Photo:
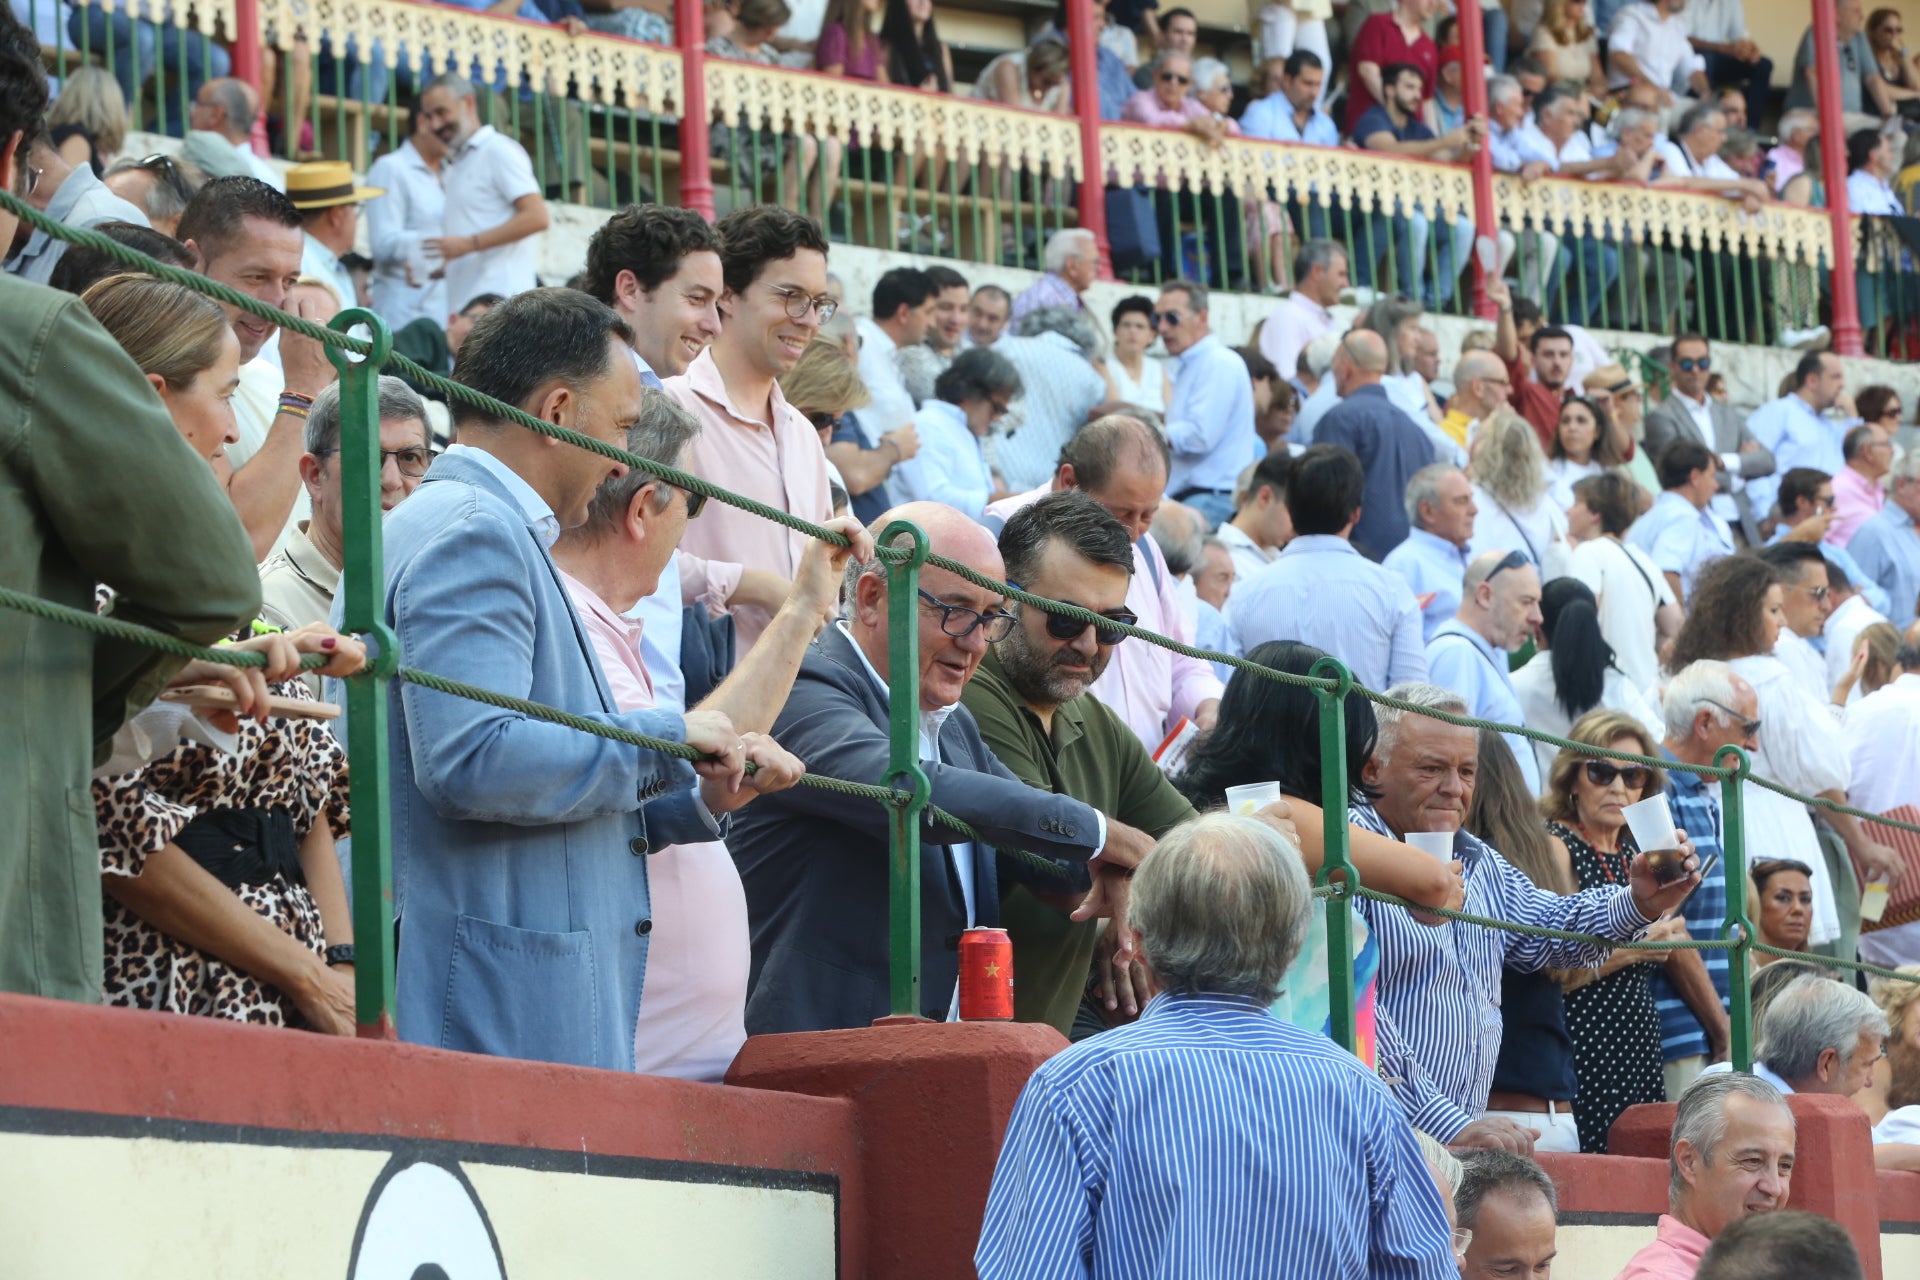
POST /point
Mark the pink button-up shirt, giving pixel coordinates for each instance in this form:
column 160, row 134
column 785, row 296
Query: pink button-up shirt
column 1674, row 1254
column 784, row 467
column 1856, row 500
column 693, row 1006
column 1289, row 328
column 1149, row 687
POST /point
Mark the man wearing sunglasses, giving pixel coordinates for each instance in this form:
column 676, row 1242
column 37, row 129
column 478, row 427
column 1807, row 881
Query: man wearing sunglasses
column 1499, row 612
column 1691, row 414
column 297, row 582
column 1167, row 103
column 1028, row 699
column 815, row 863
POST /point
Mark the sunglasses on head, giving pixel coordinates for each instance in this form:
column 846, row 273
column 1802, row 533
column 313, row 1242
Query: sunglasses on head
column 1688, row 363
column 1064, row 628
column 1511, row 560
column 1602, row 773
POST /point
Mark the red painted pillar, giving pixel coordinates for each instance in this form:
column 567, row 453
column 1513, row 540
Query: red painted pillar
column 696, row 168
column 1084, row 64
column 1833, row 172
column 247, row 66
column 1473, row 89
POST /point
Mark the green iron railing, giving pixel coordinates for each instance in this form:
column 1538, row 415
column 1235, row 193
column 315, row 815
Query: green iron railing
column 906, row 791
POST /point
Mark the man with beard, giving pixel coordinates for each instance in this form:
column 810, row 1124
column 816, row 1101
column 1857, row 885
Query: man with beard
column 1028, row 698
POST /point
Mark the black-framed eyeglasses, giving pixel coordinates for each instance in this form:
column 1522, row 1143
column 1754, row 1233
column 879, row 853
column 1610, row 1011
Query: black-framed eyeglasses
column 1689, row 363
column 696, row 502
column 959, row 621
column 1061, row 627
column 1601, row 773
column 799, row 302
column 169, row 170
column 412, row 461
column 1511, row 560
column 1163, row 318
column 1175, row 77
column 1748, row 728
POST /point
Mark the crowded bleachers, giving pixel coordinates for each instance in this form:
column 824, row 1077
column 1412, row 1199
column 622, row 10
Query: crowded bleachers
column 1444, row 459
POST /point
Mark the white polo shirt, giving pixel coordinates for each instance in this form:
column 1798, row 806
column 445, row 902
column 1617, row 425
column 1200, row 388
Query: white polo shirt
column 483, row 179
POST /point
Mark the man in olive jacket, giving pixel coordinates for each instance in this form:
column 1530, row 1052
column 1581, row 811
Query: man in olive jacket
column 96, row 486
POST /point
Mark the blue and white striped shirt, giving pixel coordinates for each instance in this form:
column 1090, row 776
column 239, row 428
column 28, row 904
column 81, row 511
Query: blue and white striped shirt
column 1210, row 1139
column 1696, row 810
column 1438, row 1020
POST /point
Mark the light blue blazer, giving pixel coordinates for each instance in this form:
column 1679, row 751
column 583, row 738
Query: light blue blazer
column 520, row 869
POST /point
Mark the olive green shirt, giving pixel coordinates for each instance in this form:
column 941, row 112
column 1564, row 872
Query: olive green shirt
column 96, row 486
column 1092, row 756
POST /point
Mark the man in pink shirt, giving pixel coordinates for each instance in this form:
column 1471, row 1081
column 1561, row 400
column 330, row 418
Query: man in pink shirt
column 1122, row 464
column 693, row 1006
column 1857, row 495
column 773, row 264
column 1732, row 1155
column 1168, row 104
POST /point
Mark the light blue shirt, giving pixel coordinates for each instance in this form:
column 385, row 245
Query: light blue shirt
column 1798, row 437
column 1210, row 422
column 1210, row 1139
column 1460, row 658
column 1680, row 538
column 321, row 263
column 531, row 504
column 1435, row 570
column 1504, row 146
column 950, row 466
column 1316, row 407
column 1059, row 388
column 397, row 225
column 1888, row 550
column 1212, row 631
column 1272, row 118
column 1843, row 560
column 1322, row 592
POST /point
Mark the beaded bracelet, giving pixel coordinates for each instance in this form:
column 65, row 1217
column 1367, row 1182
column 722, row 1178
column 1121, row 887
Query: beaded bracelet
column 292, row 402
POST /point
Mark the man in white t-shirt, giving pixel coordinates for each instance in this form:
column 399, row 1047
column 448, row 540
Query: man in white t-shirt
column 494, row 206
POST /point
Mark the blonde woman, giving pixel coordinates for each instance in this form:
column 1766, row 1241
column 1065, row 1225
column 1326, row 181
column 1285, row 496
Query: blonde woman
column 1033, row 77
column 825, row 385
column 1509, row 473
column 88, row 122
column 1569, row 48
column 224, row 896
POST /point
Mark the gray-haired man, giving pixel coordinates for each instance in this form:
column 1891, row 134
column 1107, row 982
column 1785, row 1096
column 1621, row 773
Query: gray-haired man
column 1731, row 1156
column 297, row 582
column 1820, row 1037
column 1508, row 1203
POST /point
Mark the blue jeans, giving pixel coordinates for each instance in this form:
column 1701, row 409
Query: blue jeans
column 1215, row 508
column 1584, row 287
column 133, row 45
column 1494, row 23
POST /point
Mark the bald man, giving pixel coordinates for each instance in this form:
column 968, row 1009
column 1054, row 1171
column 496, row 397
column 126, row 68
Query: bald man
column 1390, row 445
column 815, row 865
column 1480, row 386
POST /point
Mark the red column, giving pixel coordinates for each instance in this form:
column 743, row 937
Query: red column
column 1084, row 63
column 246, row 42
column 1833, row 172
column 1473, row 88
column 696, row 169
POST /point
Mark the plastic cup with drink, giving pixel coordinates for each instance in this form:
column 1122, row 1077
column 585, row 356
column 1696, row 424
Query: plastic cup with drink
column 1437, row 843
column 1651, row 821
column 1251, row 798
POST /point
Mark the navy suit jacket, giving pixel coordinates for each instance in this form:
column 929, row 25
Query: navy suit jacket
column 815, row 862
column 520, row 880
column 1391, row 447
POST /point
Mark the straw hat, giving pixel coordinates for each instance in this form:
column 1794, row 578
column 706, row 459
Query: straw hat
column 1612, row 378
column 321, row 184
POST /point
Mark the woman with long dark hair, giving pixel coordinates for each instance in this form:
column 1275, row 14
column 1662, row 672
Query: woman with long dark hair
column 1534, row 1083
column 1574, row 671
column 1582, row 447
column 916, row 55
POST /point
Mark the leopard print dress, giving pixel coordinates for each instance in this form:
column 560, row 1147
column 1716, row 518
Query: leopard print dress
column 295, row 764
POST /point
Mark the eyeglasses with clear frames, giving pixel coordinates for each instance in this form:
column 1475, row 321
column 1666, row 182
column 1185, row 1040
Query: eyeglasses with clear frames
column 799, row 302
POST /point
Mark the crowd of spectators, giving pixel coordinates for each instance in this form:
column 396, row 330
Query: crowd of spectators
column 1524, row 539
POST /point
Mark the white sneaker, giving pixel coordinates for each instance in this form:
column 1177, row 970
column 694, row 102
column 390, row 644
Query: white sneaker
column 1805, row 339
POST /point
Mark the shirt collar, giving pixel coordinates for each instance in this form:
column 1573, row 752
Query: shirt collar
column 1682, row 779
column 932, row 721
column 1193, row 352
column 313, row 241
column 873, row 333
column 703, row 377
column 1307, row 542
column 472, row 144
column 539, row 516
column 309, row 563
column 1434, row 542
column 1309, row 306
column 943, row 409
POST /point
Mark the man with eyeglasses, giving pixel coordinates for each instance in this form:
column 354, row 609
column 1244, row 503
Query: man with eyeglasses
column 298, row 582
column 1499, row 612
column 1029, row 698
column 814, row 862
column 1707, row 707
column 969, row 396
column 773, row 274
column 1166, row 102
column 1806, row 508
column 59, row 190
column 1691, row 414
column 1857, row 495
column 220, row 132
column 1210, row 422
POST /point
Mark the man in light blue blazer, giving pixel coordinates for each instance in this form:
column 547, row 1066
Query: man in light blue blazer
column 520, row 869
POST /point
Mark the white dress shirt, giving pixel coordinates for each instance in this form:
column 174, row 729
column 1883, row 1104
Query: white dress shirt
column 1249, row 557
column 1809, row 667
column 891, row 406
column 1842, row 627
column 1869, row 194
column 482, row 180
column 1681, row 538
column 1883, row 748
column 1659, row 43
column 950, row 466
column 397, row 224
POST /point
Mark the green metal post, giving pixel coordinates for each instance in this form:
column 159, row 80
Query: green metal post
column 904, row 773
column 1336, row 864
column 1733, row 848
column 362, row 615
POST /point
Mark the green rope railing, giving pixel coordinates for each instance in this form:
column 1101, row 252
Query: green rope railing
column 892, row 798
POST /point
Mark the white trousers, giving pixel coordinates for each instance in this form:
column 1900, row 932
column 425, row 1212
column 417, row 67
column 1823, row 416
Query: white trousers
column 1557, row 1130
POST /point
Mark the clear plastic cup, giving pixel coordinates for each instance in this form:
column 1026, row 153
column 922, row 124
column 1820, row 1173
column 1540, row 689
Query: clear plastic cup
column 1437, row 843
column 1651, row 821
column 1252, row 798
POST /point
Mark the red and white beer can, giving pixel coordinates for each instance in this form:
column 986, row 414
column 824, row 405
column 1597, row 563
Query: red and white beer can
column 986, row 976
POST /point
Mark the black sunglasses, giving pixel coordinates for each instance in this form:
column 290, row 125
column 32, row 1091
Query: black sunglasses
column 165, row 166
column 1602, row 774
column 696, row 502
column 1511, row 560
column 1176, row 77
column 1688, row 363
column 1167, row 317
column 1061, row 627
column 995, row 625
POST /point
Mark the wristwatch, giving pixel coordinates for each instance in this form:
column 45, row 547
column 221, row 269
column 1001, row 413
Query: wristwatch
column 341, row 954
